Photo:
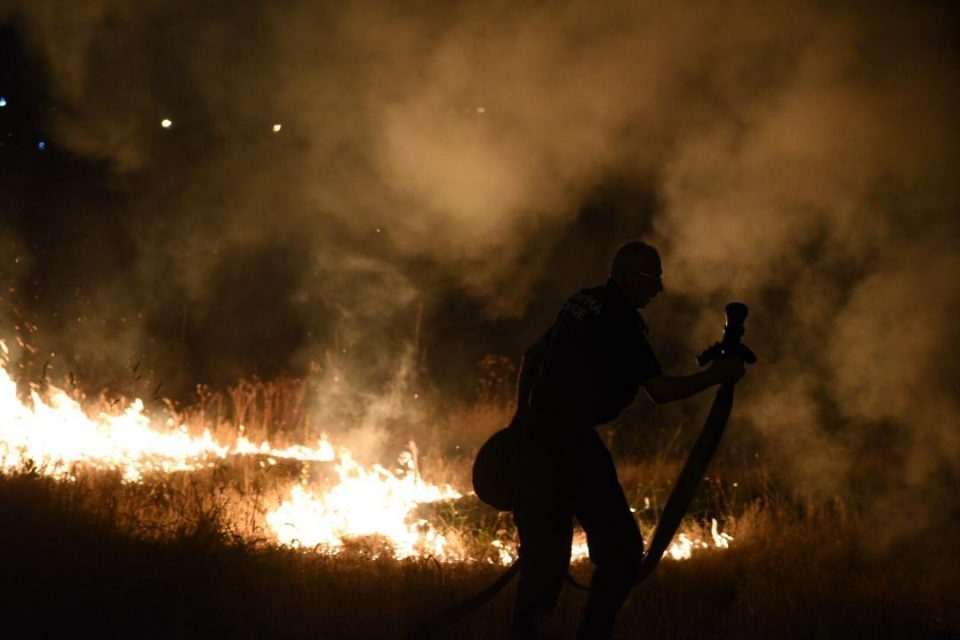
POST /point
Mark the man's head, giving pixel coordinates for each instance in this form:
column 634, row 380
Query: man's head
column 636, row 270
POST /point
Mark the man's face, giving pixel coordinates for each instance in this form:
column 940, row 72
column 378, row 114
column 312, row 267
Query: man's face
column 643, row 284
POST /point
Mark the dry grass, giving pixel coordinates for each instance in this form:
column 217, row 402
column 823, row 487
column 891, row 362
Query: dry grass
column 186, row 555
column 73, row 564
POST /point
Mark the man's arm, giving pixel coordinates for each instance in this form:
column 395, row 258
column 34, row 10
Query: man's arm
column 662, row 389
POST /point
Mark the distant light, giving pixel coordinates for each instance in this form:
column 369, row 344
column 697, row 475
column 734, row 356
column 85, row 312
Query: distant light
column 378, row 229
column 277, row 127
column 3, row 102
column 166, row 123
column 481, row 109
column 41, row 145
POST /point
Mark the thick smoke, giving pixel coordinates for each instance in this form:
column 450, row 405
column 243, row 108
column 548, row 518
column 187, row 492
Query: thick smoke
column 800, row 157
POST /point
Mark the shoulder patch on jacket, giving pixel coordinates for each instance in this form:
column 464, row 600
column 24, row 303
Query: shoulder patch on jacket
column 582, row 305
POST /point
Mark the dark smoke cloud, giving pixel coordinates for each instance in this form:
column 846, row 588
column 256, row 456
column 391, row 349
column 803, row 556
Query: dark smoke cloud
column 478, row 159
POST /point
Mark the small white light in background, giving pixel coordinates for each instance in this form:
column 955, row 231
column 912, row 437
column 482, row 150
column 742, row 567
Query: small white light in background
column 277, row 127
column 42, row 145
column 166, row 123
column 3, row 102
column 481, row 109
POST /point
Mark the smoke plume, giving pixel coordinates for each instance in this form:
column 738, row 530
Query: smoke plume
column 479, row 160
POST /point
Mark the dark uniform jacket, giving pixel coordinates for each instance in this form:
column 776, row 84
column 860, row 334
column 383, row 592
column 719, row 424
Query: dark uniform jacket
column 588, row 367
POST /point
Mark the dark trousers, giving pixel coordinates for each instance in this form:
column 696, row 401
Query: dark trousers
column 567, row 473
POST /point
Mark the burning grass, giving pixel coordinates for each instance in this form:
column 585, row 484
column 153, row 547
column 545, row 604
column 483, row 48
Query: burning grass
column 199, row 547
column 167, row 560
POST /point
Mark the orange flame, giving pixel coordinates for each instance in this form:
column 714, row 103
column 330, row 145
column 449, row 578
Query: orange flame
column 55, row 434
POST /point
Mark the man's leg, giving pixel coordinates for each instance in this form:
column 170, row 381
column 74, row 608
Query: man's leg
column 616, row 545
column 544, row 519
column 545, row 537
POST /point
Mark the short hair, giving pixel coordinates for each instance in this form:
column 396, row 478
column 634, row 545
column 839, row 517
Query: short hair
column 634, row 256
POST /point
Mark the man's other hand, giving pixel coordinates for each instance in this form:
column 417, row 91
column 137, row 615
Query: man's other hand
column 669, row 388
column 724, row 370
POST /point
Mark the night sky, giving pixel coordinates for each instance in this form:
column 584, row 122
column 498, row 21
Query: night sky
column 472, row 164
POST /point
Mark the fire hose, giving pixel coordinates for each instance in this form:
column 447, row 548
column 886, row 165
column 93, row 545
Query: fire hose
column 680, row 496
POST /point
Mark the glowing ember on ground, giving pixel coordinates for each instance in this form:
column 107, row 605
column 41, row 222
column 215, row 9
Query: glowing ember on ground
column 681, row 548
column 683, row 545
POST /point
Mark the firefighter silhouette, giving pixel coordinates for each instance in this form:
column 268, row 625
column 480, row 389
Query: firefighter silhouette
column 583, row 372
